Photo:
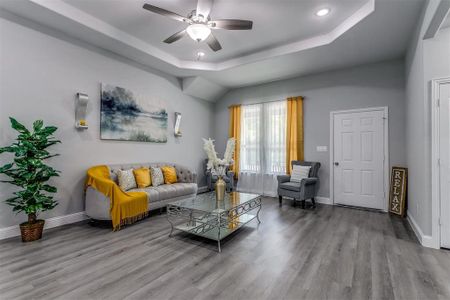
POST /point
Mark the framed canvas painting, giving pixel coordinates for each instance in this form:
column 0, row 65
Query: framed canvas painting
column 126, row 117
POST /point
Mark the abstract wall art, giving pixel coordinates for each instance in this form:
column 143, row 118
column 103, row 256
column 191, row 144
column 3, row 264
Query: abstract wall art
column 128, row 117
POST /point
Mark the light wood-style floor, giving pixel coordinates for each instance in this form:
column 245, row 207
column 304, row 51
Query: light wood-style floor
column 326, row 253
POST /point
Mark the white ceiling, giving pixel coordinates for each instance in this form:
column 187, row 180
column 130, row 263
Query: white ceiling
column 446, row 23
column 288, row 40
column 275, row 23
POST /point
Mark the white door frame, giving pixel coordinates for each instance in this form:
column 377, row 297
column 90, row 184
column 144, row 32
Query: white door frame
column 385, row 110
column 435, row 158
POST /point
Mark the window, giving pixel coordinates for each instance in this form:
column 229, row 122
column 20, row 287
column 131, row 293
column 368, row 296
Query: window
column 263, row 138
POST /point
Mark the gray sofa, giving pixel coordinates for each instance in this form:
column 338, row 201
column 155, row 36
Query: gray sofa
column 300, row 191
column 98, row 205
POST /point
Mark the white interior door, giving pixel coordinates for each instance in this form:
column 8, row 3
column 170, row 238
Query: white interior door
column 359, row 159
column 444, row 153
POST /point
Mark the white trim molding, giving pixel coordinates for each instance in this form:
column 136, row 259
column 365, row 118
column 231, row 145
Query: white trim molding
column 435, row 158
column 13, row 231
column 385, row 109
column 202, row 189
column 323, row 200
column 424, row 240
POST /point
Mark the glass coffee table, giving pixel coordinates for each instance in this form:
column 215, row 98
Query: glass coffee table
column 204, row 216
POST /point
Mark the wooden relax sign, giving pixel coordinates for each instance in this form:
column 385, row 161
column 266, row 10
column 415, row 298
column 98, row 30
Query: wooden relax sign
column 397, row 197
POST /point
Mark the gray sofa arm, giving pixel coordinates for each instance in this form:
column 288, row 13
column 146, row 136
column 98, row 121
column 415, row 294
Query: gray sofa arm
column 186, row 175
column 283, row 178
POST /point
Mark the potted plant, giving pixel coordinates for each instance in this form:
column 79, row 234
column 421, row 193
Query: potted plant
column 29, row 172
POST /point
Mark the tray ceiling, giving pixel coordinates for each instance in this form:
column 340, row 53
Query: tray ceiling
column 288, row 40
column 275, row 23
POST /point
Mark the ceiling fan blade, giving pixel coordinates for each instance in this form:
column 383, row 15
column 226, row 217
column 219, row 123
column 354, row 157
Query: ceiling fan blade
column 213, row 43
column 232, row 24
column 164, row 12
column 175, row 37
column 204, row 7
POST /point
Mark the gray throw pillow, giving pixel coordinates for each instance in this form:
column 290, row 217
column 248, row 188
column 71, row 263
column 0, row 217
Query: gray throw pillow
column 157, row 176
column 299, row 172
column 126, row 179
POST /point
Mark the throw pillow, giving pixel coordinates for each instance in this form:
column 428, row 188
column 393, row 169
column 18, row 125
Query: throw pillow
column 157, row 176
column 170, row 174
column 299, row 172
column 126, row 179
column 142, row 176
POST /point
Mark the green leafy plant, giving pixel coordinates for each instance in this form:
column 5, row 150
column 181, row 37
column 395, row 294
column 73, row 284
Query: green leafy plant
column 28, row 170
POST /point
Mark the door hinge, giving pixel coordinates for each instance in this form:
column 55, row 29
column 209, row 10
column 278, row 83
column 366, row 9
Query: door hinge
column 438, row 102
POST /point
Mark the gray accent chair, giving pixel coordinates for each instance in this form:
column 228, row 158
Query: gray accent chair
column 211, row 179
column 299, row 191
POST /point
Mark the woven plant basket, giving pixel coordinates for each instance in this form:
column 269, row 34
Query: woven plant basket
column 32, row 232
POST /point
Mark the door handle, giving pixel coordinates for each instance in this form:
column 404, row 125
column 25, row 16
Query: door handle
column 336, row 163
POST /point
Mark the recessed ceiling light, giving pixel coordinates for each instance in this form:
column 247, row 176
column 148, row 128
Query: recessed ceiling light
column 323, row 12
column 200, row 54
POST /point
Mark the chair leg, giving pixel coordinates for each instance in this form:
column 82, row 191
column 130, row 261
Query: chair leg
column 294, row 202
column 313, row 202
column 303, row 204
column 280, row 199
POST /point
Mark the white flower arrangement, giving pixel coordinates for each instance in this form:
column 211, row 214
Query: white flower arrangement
column 216, row 165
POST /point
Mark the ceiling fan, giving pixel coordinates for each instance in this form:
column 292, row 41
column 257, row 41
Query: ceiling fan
column 200, row 24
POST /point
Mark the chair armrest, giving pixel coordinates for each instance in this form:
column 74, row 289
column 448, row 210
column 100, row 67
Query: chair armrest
column 283, row 178
column 309, row 181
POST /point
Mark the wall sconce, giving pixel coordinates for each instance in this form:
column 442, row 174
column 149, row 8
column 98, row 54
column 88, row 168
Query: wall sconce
column 177, row 131
column 81, row 103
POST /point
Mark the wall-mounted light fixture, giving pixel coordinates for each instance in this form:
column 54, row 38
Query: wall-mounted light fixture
column 177, row 130
column 81, row 103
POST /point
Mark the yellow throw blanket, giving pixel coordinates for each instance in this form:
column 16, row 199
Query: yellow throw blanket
column 126, row 207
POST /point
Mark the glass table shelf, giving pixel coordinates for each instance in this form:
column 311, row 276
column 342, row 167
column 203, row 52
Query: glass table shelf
column 204, row 216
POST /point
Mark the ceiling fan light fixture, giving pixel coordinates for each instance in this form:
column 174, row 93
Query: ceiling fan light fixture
column 323, row 12
column 198, row 32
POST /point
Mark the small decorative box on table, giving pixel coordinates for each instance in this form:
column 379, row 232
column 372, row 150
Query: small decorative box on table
column 204, row 216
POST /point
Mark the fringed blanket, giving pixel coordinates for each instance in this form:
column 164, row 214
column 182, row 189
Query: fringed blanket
column 126, row 207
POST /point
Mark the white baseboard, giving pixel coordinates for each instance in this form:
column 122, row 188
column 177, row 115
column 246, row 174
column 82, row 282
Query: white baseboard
column 202, row 189
column 12, row 231
column 323, row 200
column 425, row 240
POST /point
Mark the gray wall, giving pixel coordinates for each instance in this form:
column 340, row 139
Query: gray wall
column 374, row 85
column 426, row 59
column 39, row 77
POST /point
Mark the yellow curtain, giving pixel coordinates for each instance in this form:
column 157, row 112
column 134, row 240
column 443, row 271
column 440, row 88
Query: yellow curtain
column 294, row 131
column 235, row 132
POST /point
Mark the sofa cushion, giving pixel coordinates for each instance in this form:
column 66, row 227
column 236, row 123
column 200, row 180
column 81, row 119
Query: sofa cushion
column 168, row 191
column 299, row 173
column 126, row 179
column 142, row 176
column 291, row 186
column 170, row 174
column 157, row 176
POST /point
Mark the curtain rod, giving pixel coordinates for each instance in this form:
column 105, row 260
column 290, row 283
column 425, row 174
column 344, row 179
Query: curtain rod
column 234, row 105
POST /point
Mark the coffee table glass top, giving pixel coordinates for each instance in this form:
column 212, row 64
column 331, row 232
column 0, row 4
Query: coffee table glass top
column 205, row 216
column 207, row 202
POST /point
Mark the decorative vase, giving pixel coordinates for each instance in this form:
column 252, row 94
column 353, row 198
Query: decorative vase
column 220, row 189
column 32, row 231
